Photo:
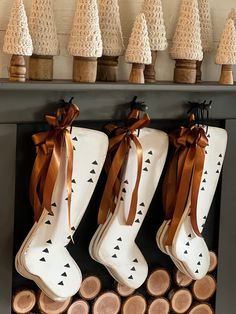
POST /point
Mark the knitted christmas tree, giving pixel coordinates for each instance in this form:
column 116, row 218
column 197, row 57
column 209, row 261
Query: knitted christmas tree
column 226, row 52
column 186, row 43
column 157, row 34
column 17, row 41
column 112, row 40
column 138, row 51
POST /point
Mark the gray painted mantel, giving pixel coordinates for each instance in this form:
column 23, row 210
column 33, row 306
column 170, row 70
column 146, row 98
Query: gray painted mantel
column 28, row 102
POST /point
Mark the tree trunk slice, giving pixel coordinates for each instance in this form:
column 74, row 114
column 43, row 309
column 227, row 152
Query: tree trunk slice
column 23, row 301
column 85, row 69
column 135, row 304
column 41, row 68
column 199, row 71
column 90, row 288
column 17, row 69
column 159, row 306
column 226, row 76
column 107, row 69
column 107, row 303
column 185, row 71
column 213, row 262
column 149, row 72
column 79, row 307
column 136, row 74
column 124, row 291
column 181, row 279
column 203, row 308
column 158, row 283
column 180, row 300
column 48, row 306
column 204, row 288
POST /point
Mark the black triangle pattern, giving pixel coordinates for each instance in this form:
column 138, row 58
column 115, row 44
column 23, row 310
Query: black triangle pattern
column 114, row 256
column 205, row 172
column 145, row 169
column 197, row 272
column 95, row 163
column 67, row 266
column 202, row 189
column 117, row 247
column 73, row 228
column 64, row 274
column 121, row 198
column 61, row 283
column 90, row 180
column 208, row 135
column 93, row 171
column 69, row 237
column 42, row 259
column 45, row 251
column 48, row 222
column 142, row 204
column 66, row 199
column 199, row 263
column 186, row 252
column 188, row 244
column 119, row 239
column 73, row 181
column 217, row 171
column 135, row 260
column 49, row 242
column 124, row 190
column 148, row 161
column 205, row 217
column 133, row 269
column 50, row 214
column 140, row 212
column 126, row 182
column 219, row 164
column 74, row 148
column 200, row 255
column 75, row 139
column 204, row 181
column 220, row 156
column 137, row 220
column 206, row 152
column 150, row 153
column 131, row 277
column 54, row 205
column 190, row 236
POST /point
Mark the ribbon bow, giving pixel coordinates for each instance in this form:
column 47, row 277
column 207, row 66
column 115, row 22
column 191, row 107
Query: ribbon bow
column 119, row 146
column 49, row 146
column 184, row 173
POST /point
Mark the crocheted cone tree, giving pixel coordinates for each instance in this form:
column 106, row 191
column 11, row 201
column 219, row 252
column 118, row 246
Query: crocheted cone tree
column 85, row 42
column 17, row 41
column 206, row 31
column 186, row 44
column 157, row 34
column 112, row 39
column 226, row 52
column 138, row 51
column 45, row 42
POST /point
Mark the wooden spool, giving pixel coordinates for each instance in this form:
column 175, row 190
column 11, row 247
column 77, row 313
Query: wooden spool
column 204, row 288
column 213, row 261
column 150, row 72
column 107, row 69
column 159, row 306
column 124, row 291
column 17, row 69
column 135, row 304
column 23, row 301
column 226, row 76
column 180, row 300
column 85, row 69
column 48, row 306
column 181, row 279
column 137, row 74
column 79, row 307
column 185, row 71
column 41, row 68
column 158, row 283
column 199, row 71
column 90, row 288
column 107, row 303
column 202, row 308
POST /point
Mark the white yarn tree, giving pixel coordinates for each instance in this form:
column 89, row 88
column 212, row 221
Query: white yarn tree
column 17, row 41
column 138, row 51
column 157, row 34
column 206, row 25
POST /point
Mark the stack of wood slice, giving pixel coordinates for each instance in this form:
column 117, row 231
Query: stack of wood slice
column 23, row 301
column 48, row 306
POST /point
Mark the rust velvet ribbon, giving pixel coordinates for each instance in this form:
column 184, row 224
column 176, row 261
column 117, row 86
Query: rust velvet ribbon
column 49, row 146
column 119, row 146
column 184, row 174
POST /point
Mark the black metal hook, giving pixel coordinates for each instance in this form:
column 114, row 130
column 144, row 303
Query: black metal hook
column 139, row 105
column 201, row 112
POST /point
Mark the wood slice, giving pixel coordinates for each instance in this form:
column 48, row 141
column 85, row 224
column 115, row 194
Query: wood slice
column 135, row 304
column 124, row 291
column 85, row 69
column 48, row 306
column 199, row 71
column 181, row 279
column 90, row 287
column 79, row 307
column 107, row 303
column 185, row 71
column 41, row 68
column 159, row 306
column 226, row 76
column 202, row 308
column 23, row 301
column 17, row 69
column 213, row 261
column 149, row 72
column 136, row 74
column 204, row 288
column 107, row 69
column 180, row 300
column 158, row 283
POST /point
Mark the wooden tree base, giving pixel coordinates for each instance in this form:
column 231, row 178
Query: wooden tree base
column 158, row 283
column 48, row 306
column 204, row 288
column 226, row 77
column 136, row 74
column 79, row 306
column 124, row 291
column 23, row 301
column 41, row 68
column 213, row 261
column 202, row 308
column 185, row 71
column 149, row 72
column 85, row 69
column 107, row 69
column 181, row 279
column 107, row 303
column 90, row 287
column 199, row 71
column 135, row 304
column 180, row 300
column 159, row 306
column 17, row 69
